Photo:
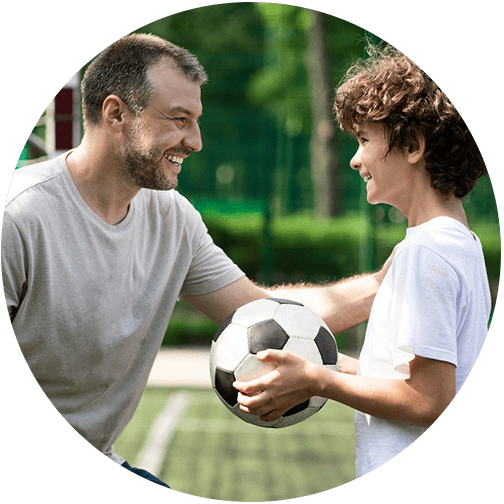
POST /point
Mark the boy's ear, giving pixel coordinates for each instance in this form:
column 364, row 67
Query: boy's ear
column 416, row 148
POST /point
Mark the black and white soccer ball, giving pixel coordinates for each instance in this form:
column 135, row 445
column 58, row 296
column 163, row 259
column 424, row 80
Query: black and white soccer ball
column 268, row 323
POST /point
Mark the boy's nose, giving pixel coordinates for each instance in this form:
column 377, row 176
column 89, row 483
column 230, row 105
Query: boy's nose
column 355, row 162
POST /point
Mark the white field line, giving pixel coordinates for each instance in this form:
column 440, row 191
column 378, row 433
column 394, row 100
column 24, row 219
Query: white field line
column 153, row 453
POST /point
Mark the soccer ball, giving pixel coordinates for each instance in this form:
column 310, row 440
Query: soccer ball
column 259, row 325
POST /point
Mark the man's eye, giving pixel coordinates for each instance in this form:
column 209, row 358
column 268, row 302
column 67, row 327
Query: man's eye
column 180, row 120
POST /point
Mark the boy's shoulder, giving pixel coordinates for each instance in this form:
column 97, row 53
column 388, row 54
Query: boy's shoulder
column 445, row 238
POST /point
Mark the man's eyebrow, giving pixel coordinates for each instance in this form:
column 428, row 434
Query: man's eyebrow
column 183, row 110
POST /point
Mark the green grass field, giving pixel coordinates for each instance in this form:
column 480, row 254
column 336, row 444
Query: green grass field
column 213, row 454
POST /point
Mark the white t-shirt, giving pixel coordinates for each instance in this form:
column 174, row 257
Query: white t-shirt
column 90, row 302
column 434, row 302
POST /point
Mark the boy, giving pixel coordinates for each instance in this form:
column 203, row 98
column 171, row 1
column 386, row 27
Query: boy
column 429, row 318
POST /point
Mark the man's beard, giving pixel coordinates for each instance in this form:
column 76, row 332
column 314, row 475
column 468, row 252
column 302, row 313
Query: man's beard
column 146, row 168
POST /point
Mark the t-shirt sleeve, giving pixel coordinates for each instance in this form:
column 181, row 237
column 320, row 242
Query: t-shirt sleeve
column 426, row 293
column 210, row 269
column 13, row 265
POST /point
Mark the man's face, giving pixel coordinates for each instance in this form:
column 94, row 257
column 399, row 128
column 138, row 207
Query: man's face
column 166, row 132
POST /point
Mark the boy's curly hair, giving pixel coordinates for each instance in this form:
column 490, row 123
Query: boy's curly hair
column 390, row 89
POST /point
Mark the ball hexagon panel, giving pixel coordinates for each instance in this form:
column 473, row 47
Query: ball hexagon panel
column 231, row 347
column 305, row 348
column 251, row 368
column 298, row 321
column 253, row 313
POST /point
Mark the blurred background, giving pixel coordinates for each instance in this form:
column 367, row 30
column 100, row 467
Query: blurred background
column 273, row 180
column 275, row 189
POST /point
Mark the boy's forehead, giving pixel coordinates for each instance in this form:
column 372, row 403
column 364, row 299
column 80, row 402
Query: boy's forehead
column 369, row 128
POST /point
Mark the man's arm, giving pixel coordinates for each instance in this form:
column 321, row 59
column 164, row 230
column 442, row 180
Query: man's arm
column 341, row 305
column 218, row 305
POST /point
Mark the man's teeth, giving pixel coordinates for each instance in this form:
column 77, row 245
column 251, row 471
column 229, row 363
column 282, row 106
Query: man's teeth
column 174, row 159
column 367, row 178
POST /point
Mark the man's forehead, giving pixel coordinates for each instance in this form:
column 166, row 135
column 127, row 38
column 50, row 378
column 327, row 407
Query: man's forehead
column 178, row 92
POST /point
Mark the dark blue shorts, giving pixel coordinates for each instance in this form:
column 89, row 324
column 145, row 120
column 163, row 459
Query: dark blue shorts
column 145, row 474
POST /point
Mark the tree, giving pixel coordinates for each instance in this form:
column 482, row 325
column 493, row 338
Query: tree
column 324, row 162
column 296, row 86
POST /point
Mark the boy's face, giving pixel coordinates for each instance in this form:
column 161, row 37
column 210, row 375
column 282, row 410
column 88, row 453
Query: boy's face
column 387, row 176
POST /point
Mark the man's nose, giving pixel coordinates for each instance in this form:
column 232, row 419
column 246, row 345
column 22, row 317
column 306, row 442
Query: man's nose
column 193, row 139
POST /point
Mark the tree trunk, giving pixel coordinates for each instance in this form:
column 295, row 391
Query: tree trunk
column 323, row 156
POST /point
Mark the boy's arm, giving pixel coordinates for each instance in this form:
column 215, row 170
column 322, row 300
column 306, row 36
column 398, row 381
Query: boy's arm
column 347, row 364
column 417, row 400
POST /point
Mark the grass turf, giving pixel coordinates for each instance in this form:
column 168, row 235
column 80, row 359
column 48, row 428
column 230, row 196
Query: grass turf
column 215, row 455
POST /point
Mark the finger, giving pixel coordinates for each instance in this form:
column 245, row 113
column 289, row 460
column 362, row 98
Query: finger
column 254, row 401
column 248, row 388
column 271, row 355
column 262, row 411
column 271, row 416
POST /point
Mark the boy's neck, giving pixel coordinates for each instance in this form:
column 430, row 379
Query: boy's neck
column 437, row 206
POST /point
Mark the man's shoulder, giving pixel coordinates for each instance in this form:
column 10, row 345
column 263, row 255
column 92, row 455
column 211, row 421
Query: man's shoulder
column 166, row 202
column 32, row 176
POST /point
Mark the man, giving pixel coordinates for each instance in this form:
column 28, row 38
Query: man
column 97, row 247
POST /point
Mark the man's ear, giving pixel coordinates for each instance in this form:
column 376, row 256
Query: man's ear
column 416, row 148
column 115, row 112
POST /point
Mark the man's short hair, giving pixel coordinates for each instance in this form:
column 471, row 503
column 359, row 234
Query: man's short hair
column 122, row 70
column 390, row 89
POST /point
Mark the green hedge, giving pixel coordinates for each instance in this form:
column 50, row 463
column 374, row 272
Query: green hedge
column 312, row 249
column 304, row 248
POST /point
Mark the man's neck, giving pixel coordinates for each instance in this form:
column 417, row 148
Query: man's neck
column 101, row 182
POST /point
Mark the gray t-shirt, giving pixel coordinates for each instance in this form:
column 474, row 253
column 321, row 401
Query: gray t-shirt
column 90, row 302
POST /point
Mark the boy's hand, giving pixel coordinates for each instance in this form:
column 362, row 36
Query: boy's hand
column 290, row 384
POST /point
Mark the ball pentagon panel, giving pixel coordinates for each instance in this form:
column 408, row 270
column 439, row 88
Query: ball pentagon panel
column 264, row 335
